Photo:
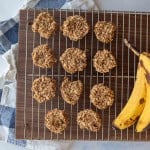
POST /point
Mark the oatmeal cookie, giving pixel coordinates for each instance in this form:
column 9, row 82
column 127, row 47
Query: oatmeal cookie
column 56, row 120
column 101, row 96
column 104, row 31
column 71, row 90
column 44, row 24
column 75, row 27
column 44, row 89
column 73, row 60
column 89, row 119
column 104, row 61
column 43, row 56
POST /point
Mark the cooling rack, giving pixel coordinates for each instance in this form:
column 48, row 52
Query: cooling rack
column 30, row 115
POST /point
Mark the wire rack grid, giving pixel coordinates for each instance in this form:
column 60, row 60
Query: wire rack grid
column 30, row 115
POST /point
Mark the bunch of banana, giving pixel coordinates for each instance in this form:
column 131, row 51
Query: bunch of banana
column 138, row 105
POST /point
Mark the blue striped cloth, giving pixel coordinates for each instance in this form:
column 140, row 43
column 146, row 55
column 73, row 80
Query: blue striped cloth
column 9, row 36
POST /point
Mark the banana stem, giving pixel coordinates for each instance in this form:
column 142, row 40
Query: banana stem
column 133, row 49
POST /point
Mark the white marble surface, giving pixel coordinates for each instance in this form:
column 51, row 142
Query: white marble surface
column 124, row 5
column 7, row 146
column 9, row 8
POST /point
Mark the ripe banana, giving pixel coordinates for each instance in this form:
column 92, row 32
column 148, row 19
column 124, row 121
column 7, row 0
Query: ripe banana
column 139, row 101
column 144, row 119
column 135, row 104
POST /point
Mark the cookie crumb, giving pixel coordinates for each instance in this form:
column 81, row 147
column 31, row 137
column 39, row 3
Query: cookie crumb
column 101, row 96
column 44, row 89
column 56, row 120
column 89, row 119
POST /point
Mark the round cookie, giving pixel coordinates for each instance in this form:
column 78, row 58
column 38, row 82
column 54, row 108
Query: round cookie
column 73, row 60
column 75, row 27
column 56, row 120
column 101, row 96
column 71, row 90
column 43, row 56
column 104, row 61
column 44, row 89
column 89, row 119
column 44, row 24
column 104, row 31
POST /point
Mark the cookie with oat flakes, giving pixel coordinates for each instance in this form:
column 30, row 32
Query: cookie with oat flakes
column 44, row 24
column 104, row 61
column 101, row 96
column 56, row 120
column 104, row 31
column 71, row 90
column 89, row 119
column 43, row 56
column 73, row 60
column 75, row 27
column 44, row 89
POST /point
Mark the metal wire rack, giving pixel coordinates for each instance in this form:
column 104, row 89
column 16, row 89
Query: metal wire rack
column 30, row 116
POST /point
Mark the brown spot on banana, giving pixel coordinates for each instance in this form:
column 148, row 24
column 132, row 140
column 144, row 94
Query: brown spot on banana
column 129, row 121
column 142, row 100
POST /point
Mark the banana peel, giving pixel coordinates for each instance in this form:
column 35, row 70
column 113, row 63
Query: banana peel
column 135, row 104
column 138, row 105
column 144, row 119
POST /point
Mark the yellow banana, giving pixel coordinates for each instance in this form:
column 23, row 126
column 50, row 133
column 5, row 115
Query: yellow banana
column 136, row 102
column 144, row 119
